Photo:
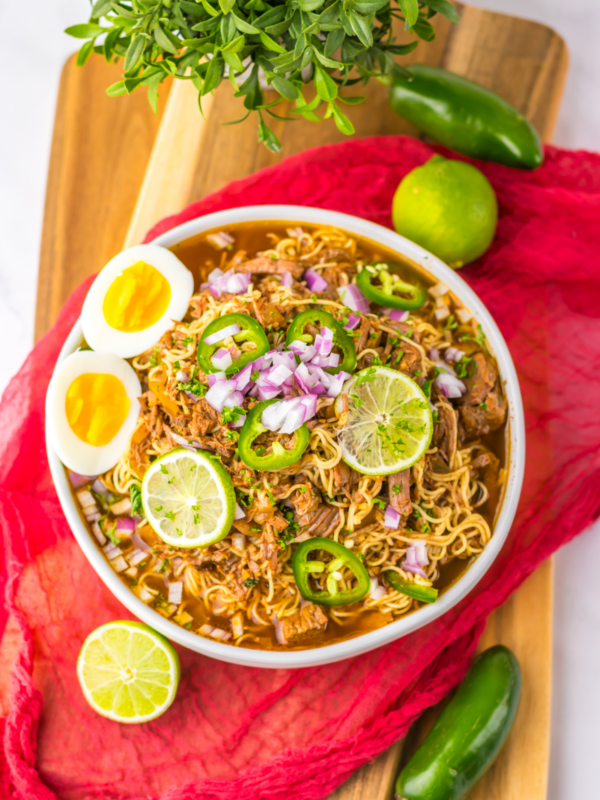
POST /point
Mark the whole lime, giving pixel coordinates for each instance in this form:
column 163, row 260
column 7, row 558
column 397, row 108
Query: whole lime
column 447, row 207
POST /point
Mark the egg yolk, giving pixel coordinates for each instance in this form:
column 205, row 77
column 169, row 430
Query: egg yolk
column 96, row 407
column 137, row 298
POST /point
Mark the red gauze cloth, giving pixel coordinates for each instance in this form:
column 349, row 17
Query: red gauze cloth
column 235, row 733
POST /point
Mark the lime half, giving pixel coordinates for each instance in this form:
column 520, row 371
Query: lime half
column 128, row 672
column 389, row 422
column 188, row 498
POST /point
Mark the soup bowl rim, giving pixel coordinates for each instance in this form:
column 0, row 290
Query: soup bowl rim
column 381, row 636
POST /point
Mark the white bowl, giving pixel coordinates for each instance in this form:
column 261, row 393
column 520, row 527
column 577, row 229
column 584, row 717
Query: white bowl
column 405, row 625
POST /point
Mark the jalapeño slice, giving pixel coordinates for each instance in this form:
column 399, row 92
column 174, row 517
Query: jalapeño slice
column 250, row 331
column 392, row 291
column 332, row 594
column 322, row 319
column 280, row 457
column 426, row 594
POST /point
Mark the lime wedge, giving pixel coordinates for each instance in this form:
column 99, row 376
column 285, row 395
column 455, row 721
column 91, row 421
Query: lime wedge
column 188, row 498
column 128, row 672
column 389, row 422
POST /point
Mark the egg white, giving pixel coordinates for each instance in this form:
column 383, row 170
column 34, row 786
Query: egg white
column 101, row 336
column 76, row 454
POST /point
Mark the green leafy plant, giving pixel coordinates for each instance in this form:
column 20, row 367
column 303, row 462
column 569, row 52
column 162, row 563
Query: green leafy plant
column 333, row 44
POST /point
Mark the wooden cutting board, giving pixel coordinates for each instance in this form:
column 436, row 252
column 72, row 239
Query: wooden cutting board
column 115, row 169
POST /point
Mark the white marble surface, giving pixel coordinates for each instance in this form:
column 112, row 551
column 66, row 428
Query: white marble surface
column 27, row 101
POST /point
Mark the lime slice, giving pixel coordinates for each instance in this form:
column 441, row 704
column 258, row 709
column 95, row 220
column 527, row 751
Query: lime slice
column 389, row 422
column 188, row 498
column 128, row 672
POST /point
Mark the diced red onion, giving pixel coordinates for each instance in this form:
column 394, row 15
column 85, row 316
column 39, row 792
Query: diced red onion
column 99, row 487
column 125, row 524
column 410, row 564
column 352, row 297
column 234, row 399
column 453, row 354
column 137, row 556
column 139, row 543
column 377, row 591
column 221, row 359
column 214, row 377
column 215, row 276
column 434, row 354
column 266, row 360
column 443, row 367
column 287, row 416
column 77, row 480
column 314, row 281
column 239, row 423
column 234, row 351
column 111, row 551
column 220, row 240
column 180, row 439
column 287, row 279
column 278, row 625
column 239, row 512
column 268, row 391
column 449, row 385
column 215, row 633
column 324, row 341
column 194, row 398
column 182, row 376
column 175, row 592
column 219, row 392
column 421, row 552
column 284, row 359
column 391, row 519
column 397, row 314
column 218, row 336
column 332, row 360
column 353, row 321
column 243, row 378
column 238, row 540
column 274, row 416
column 279, row 374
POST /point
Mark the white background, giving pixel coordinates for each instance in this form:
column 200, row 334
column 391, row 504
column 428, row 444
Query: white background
column 31, row 57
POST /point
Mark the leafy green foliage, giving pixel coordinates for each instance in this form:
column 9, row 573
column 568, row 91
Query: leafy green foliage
column 332, row 43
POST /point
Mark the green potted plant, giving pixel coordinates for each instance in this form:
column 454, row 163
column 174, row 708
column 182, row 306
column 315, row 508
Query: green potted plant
column 332, row 44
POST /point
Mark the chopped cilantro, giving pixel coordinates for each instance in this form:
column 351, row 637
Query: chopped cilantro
column 451, row 323
column 479, row 336
column 367, row 377
column 232, row 414
column 135, row 493
column 250, row 583
column 112, row 535
column 155, row 357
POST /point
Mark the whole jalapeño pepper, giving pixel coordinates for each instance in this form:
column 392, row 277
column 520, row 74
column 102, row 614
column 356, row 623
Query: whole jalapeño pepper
column 329, row 574
column 322, row 319
column 251, row 331
column 390, row 291
column 279, row 457
column 466, row 117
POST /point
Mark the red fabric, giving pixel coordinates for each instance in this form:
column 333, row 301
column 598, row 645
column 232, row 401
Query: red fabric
column 263, row 735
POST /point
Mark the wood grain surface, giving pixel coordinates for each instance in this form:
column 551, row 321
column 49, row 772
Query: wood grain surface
column 102, row 156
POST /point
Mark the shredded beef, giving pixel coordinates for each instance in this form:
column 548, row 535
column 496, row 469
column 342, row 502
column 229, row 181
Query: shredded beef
column 320, row 522
column 204, row 418
column 267, row 314
column 306, row 498
column 262, row 265
column 411, row 360
column 400, row 498
column 309, row 621
column 446, row 432
column 483, row 406
column 479, row 420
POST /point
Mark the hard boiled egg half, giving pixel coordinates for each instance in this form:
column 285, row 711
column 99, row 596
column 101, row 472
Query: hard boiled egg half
column 135, row 299
column 92, row 410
